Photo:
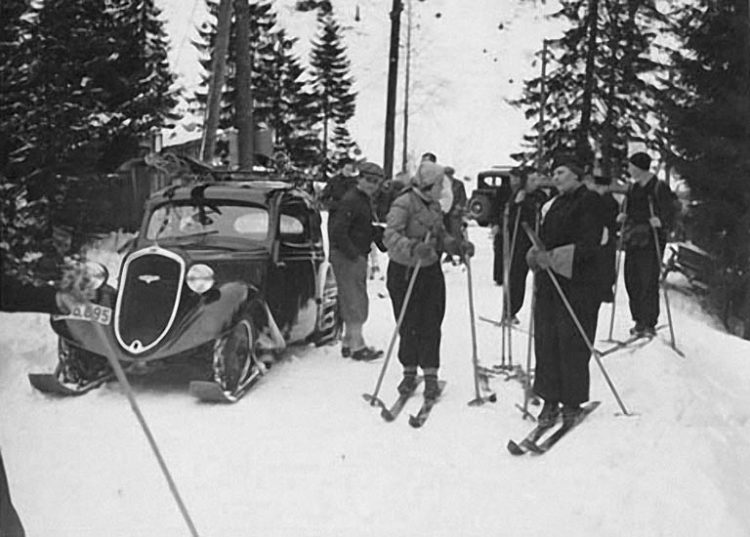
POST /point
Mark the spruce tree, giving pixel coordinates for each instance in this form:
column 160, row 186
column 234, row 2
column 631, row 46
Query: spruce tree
column 139, row 89
column 709, row 118
column 331, row 80
column 598, row 88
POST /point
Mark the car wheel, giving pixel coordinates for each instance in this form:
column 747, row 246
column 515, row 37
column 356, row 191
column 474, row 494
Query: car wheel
column 79, row 367
column 479, row 208
column 234, row 356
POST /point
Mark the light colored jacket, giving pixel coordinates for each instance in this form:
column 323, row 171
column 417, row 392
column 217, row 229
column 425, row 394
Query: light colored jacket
column 411, row 217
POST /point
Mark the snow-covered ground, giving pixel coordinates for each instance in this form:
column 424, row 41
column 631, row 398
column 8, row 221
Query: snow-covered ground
column 303, row 455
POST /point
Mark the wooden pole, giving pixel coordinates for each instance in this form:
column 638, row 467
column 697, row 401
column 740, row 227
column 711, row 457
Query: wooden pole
column 390, row 107
column 218, row 64
column 407, row 84
column 244, row 95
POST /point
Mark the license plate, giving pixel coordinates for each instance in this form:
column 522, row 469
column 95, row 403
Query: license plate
column 88, row 312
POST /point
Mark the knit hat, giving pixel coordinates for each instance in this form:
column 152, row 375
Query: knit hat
column 570, row 162
column 370, row 169
column 428, row 174
column 641, row 160
column 449, row 171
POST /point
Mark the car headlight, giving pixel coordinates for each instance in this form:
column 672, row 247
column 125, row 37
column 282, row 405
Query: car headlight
column 200, row 278
column 96, row 273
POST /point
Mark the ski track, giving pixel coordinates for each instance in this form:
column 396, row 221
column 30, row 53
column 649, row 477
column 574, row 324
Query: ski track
column 304, row 454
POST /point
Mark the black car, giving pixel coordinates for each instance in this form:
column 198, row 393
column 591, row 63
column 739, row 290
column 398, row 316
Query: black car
column 493, row 190
column 221, row 273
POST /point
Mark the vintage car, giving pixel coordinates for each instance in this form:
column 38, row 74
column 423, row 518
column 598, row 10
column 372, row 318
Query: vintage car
column 221, row 272
column 492, row 191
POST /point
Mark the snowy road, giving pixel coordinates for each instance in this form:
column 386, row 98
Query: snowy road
column 304, row 455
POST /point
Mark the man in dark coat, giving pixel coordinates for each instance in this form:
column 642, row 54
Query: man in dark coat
column 454, row 218
column 351, row 234
column 608, row 210
column 642, row 264
column 526, row 205
column 338, row 185
column 571, row 232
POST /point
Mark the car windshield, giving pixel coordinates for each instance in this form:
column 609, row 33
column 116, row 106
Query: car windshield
column 214, row 218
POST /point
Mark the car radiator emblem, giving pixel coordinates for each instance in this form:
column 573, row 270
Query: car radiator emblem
column 149, row 278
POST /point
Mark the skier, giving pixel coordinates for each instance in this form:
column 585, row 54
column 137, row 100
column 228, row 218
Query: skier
column 642, row 266
column 16, row 296
column 415, row 232
column 352, row 233
column 527, row 201
column 609, row 208
column 503, row 195
column 571, row 232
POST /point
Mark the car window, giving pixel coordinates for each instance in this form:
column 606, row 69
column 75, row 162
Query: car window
column 290, row 226
column 175, row 220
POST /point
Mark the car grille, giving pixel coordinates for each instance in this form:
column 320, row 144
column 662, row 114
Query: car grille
column 151, row 286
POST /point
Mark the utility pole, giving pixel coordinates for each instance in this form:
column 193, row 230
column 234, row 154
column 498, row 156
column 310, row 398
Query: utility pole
column 542, row 103
column 407, row 80
column 218, row 63
column 244, row 102
column 390, row 108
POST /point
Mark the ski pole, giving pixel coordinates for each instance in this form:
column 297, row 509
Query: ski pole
column 527, row 391
column 538, row 243
column 373, row 398
column 618, row 261
column 662, row 284
column 123, row 380
column 506, row 329
column 478, row 400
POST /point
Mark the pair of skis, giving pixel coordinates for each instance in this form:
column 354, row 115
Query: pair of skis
column 531, row 443
column 391, row 413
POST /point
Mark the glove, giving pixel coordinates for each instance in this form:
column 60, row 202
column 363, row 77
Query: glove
column 467, row 249
column 538, row 259
column 424, row 251
column 77, row 282
column 377, row 233
column 654, row 221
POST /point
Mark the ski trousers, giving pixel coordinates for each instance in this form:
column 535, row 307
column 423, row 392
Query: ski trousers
column 562, row 356
column 420, row 330
column 642, row 271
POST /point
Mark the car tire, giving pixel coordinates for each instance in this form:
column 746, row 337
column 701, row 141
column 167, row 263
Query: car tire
column 79, row 367
column 480, row 208
column 234, row 356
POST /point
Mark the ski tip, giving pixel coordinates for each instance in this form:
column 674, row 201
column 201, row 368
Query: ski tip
column 514, row 448
column 210, row 392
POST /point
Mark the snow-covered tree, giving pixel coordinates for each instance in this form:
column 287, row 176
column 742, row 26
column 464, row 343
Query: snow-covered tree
column 600, row 88
column 709, row 119
column 331, row 80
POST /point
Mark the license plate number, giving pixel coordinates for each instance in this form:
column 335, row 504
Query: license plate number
column 89, row 312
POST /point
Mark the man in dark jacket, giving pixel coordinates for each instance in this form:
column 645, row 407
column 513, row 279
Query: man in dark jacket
column 642, row 264
column 571, row 232
column 338, row 185
column 608, row 210
column 352, row 233
column 526, row 205
column 454, row 218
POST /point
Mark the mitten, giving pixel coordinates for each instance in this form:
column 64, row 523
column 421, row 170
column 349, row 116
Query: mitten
column 424, row 251
column 467, row 249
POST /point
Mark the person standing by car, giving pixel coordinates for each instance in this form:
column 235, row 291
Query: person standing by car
column 16, row 296
column 338, row 185
column 642, row 266
column 526, row 205
column 571, row 232
column 454, row 218
column 415, row 233
column 352, row 233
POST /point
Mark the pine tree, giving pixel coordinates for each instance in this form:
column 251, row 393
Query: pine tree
column 597, row 85
column 139, row 89
column 331, row 81
column 709, row 118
